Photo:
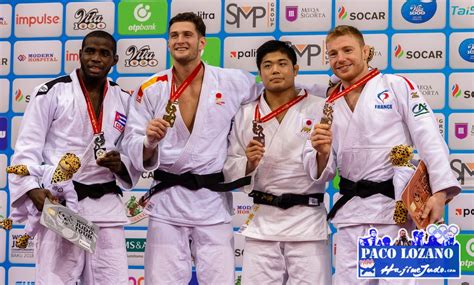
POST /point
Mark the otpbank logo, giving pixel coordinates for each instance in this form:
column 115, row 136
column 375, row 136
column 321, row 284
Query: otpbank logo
column 142, row 18
column 418, row 11
column 250, row 16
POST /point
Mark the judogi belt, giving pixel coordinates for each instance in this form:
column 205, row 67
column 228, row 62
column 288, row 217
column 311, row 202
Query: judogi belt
column 361, row 188
column 287, row 200
column 194, row 182
column 96, row 191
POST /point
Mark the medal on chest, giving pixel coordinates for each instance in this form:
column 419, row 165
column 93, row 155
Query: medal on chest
column 99, row 145
column 172, row 105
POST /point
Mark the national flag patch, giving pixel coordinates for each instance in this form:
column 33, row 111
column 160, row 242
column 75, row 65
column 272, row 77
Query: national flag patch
column 120, row 121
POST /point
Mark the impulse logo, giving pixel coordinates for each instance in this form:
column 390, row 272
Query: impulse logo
column 399, row 51
column 37, row 20
column 455, row 90
column 342, row 13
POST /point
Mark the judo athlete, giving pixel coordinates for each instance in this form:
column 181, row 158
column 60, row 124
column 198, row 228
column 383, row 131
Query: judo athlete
column 379, row 112
column 82, row 113
column 286, row 240
column 186, row 150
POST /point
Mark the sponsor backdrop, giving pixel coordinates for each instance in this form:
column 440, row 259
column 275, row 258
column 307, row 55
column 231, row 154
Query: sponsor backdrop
column 431, row 42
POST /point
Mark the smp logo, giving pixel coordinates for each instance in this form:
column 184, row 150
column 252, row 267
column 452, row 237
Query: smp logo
column 3, row 133
column 308, row 51
column 418, row 11
column 142, row 56
column 466, row 50
column 342, row 13
column 90, row 20
column 464, row 170
column 243, row 53
column 21, row 97
column 464, row 212
column 399, row 52
column 250, row 16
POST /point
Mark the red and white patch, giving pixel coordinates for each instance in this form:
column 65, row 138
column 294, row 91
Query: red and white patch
column 306, row 126
column 219, row 99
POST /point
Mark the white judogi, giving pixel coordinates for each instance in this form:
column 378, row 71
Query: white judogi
column 203, row 152
column 55, row 122
column 278, row 241
column 390, row 111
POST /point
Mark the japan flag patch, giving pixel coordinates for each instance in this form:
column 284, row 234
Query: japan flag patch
column 306, row 127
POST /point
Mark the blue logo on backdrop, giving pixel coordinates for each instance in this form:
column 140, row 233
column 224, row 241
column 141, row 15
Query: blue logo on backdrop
column 430, row 254
column 418, row 11
column 3, row 133
column 466, row 49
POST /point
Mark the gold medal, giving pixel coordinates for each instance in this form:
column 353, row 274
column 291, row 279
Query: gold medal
column 170, row 116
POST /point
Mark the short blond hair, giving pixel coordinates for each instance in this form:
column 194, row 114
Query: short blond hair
column 344, row 30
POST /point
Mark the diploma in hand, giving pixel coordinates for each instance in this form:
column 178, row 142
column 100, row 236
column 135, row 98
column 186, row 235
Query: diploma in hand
column 416, row 194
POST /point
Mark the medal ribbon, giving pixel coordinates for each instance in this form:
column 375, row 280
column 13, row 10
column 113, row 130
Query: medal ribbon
column 176, row 93
column 96, row 123
column 278, row 111
column 334, row 95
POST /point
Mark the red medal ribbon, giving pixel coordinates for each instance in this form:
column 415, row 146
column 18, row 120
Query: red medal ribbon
column 96, row 124
column 334, row 95
column 279, row 110
column 176, row 93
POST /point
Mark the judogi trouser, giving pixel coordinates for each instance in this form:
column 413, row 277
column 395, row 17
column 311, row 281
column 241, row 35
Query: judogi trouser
column 346, row 240
column 59, row 261
column 170, row 249
column 290, row 263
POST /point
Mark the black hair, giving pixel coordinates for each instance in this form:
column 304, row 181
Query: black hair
column 273, row 46
column 190, row 17
column 103, row 35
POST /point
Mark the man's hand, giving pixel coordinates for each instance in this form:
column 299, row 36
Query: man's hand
column 434, row 207
column 321, row 139
column 254, row 152
column 39, row 195
column 112, row 161
column 155, row 132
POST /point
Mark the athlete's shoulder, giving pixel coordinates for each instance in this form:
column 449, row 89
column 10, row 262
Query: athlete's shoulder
column 46, row 87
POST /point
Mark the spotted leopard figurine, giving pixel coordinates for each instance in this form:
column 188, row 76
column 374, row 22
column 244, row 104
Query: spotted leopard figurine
column 6, row 224
column 400, row 157
column 57, row 179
